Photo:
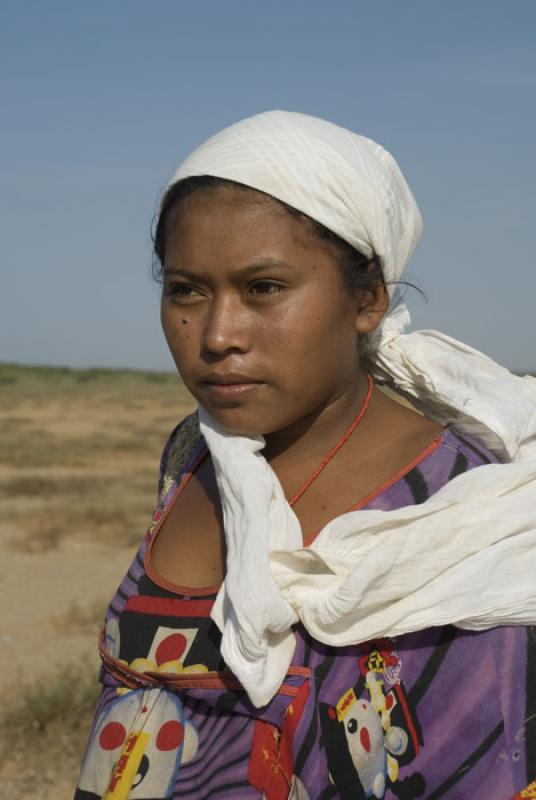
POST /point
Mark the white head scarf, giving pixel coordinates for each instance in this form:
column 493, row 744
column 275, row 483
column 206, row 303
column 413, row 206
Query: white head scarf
column 476, row 532
column 348, row 183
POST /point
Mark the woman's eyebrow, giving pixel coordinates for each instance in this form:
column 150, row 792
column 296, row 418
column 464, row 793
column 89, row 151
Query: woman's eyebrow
column 264, row 263
column 249, row 269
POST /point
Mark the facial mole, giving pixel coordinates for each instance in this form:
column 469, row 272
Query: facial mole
column 184, row 321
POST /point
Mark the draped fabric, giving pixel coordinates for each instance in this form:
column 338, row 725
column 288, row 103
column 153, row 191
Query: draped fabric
column 474, row 543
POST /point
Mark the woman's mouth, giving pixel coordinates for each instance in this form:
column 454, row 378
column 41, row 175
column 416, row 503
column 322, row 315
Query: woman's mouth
column 230, row 386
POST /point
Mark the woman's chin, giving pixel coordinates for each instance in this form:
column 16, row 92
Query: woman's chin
column 238, row 422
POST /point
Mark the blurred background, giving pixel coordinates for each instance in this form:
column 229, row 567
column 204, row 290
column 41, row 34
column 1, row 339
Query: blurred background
column 100, row 102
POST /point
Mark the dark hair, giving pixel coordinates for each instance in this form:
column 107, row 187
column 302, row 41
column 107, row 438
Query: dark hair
column 359, row 272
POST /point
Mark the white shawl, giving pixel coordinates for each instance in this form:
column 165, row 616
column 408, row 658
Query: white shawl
column 468, row 555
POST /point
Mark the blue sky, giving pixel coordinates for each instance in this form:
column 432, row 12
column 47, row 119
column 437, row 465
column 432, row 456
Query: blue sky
column 101, row 101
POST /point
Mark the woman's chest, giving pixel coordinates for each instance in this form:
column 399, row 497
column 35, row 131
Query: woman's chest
column 438, row 713
column 189, row 545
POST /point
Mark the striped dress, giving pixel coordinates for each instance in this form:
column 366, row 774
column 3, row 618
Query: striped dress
column 441, row 713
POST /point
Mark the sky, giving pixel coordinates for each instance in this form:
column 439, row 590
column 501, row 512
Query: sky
column 101, row 101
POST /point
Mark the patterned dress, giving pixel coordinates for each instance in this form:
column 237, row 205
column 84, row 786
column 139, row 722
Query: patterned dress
column 441, row 713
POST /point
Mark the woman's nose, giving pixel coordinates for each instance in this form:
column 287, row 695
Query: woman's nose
column 225, row 327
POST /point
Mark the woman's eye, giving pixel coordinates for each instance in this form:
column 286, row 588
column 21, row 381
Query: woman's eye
column 181, row 291
column 266, row 287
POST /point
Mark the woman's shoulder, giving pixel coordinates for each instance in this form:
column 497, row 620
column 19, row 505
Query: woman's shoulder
column 448, row 455
column 467, row 450
column 456, row 453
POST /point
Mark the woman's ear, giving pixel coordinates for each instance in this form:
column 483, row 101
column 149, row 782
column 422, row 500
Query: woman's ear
column 372, row 307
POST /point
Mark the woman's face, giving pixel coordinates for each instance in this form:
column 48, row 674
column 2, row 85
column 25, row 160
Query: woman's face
column 255, row 312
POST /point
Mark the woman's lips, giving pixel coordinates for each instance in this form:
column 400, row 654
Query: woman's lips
column 231, row 391
column 230, row 386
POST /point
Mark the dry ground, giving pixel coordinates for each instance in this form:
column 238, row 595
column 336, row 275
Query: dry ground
column 79, row 454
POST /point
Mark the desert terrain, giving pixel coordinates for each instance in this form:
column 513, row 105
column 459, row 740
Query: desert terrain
column 79, row 455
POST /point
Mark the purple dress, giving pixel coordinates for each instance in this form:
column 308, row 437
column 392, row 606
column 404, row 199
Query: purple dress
column 441, row 713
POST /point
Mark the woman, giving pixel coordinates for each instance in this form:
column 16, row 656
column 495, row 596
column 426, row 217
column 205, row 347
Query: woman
column 334, row 597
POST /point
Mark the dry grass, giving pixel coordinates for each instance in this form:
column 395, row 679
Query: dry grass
column 81, row 617
column 46, row 510
column 79, row 454
column 43, row 733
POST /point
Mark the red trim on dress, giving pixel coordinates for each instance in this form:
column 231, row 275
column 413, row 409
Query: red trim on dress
column 428, row 450
column 169, row 606
column 196, row 463
column 225, row 679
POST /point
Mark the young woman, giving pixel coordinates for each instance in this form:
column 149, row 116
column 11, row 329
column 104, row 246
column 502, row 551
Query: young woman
column 334, row 597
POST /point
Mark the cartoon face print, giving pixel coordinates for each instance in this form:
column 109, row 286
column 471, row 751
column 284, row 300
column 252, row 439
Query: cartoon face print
column 137, row 746
column 365, row 740
column 354, row 739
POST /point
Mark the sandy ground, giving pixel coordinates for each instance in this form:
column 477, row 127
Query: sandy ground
column 79, row 457
column 38, row 591
column 39, row 636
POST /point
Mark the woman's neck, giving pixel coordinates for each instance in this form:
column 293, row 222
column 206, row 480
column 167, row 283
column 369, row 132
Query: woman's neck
column 315, row 434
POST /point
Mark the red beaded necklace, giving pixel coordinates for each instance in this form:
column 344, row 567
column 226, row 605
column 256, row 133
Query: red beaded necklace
column 344, row 438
